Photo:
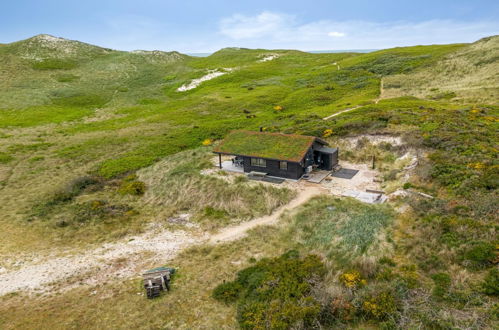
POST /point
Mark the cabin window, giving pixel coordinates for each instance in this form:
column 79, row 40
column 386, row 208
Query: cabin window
column 283, row 166
column 258, row 162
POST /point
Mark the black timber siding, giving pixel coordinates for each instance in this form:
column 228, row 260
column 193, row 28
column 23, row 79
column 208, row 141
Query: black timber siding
column 294, row 171
column 328, row 160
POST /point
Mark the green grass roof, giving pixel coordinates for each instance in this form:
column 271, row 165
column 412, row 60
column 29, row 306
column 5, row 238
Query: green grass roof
column 266, row 145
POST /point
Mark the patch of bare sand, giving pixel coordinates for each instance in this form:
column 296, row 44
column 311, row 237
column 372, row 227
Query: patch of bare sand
column 121, row 259
column 366, row 178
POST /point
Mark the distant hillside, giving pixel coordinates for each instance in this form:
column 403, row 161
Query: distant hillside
column 470, row 74
column 49, row 71
column 45, row 70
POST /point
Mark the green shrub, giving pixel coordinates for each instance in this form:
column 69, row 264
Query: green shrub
column 131, row 186
column 275, row 293
column 99, row 210
column 442, row 282
column 380, row 305
column 73, row 189
column 430, row 262
column 479, row 254
column 77, row 185
column 407, row 185
column 67, row 193
column 490, row 284
column 228, row 292
column 213, row 213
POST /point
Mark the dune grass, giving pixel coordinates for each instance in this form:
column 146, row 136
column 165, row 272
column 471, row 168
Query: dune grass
column 177, row 185
column 342, row 229
column 467, row 75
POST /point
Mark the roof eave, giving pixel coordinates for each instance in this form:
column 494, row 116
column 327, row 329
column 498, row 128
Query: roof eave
column 254, row 156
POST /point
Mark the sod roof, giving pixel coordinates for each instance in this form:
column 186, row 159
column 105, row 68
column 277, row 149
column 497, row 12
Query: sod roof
column 287, row 147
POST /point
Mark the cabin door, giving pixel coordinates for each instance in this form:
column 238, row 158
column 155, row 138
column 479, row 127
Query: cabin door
column 322, row 160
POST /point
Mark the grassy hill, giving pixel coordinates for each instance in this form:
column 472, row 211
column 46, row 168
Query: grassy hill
column 467, row 75
column 97, row 144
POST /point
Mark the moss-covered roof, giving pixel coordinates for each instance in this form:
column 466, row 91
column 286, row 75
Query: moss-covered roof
column 287, row 147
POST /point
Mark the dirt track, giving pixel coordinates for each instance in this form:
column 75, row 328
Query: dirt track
column 127, row 257
column 236, row 232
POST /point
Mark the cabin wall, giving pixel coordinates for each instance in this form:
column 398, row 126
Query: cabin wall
column 334, row 158
column 294, row 171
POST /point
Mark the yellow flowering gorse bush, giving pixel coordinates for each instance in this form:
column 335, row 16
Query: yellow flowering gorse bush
column 352, row 280
column 327, row 133
column 477, row 166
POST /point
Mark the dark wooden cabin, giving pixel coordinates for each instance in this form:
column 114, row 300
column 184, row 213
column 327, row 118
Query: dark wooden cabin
column 277, row 154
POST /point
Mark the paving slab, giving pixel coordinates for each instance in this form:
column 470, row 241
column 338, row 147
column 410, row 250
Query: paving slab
column 345, row 173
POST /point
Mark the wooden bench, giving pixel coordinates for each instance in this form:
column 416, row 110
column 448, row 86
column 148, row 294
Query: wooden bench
column 256, row 173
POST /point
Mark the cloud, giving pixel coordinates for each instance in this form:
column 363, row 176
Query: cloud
column 273, row 30
column 336, row 34
column 278, row 30
column 264, row 24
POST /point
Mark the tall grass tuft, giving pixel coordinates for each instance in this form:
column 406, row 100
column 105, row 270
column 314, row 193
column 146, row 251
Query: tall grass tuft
column 345, row 230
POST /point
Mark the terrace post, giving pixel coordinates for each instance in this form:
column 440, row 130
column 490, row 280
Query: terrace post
column 220, row 160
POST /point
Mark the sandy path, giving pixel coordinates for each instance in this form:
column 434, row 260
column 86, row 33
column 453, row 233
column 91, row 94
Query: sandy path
column 236, row 232
column 125, row 258
column 111, row 260
column 381, row 90
column 340, row 112
column 196, row 82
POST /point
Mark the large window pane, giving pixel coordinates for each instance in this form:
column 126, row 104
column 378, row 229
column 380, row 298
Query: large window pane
column 258, row 162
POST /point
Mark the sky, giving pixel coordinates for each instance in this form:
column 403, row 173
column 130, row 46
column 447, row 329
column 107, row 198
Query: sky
column 206, row 26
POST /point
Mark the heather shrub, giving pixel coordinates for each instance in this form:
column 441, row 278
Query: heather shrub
column 490, row 285
column 339, row 309
column 74, row 188
column 275, row 293
column 99, row 210
column 479, row 254
column 442, row 282
column 131, row 186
